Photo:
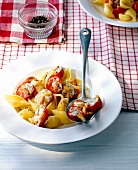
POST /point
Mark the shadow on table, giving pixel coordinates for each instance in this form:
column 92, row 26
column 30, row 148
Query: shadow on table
column 116, row 134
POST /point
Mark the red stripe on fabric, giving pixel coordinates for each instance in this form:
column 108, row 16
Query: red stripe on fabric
column 5, row 33
column 129, row 72
column 135, row 57
column 7, row 6
column 6, row 19
column 3, row 57
column 73, row 13
column 122, row 70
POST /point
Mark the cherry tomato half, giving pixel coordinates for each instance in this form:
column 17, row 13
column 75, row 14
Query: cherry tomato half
column 78, row 111
column 135, row 6
column 81, row 111
column 76, row 93
column 59, row 71
column 117, row 11
column 73, row 116
column 29, row 79
column 26, row 90
column 42, row 114
column 54, row 84
column 96, row 105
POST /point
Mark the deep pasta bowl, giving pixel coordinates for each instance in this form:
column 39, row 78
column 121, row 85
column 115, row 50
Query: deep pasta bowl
column 106, row 86
column 38, row 19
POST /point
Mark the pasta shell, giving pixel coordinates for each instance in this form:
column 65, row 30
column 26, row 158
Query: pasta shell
column 124, row 17
column 15, row 100
column 66, row 75
column 130, row 15
column 50, row 107
column 63, row 104
column 62, row 116
column 34, row 106
column 108, row 10
column 126, row 4
column 26, row 114
column 52, row 121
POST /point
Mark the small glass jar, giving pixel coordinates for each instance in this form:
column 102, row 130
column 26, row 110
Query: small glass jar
column 38, row 19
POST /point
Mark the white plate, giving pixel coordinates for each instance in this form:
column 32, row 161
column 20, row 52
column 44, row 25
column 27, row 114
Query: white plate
column 97, row 12
column 104, row 84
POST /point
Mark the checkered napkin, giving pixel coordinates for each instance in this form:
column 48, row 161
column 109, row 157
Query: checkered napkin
column 11, row 31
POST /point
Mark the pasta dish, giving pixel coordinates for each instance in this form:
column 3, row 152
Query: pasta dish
column 124, row 10
column 42, row 100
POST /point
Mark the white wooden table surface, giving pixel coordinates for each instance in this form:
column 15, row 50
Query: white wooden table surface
column 114, row 148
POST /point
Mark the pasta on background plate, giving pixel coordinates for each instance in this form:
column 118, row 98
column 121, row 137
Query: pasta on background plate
column 124, row 10
column 42, row 100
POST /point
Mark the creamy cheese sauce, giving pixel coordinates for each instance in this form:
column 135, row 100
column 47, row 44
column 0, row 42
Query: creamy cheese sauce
column 29, row 87
column 74, row 111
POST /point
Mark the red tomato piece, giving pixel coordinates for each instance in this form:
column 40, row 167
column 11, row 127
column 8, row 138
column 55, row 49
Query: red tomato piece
column 81, row 111
column 59, row 71
column 29, row 79
column 73, row 116
column 26, row 90
column 76, row 93
column 96, row 105
column 54, row 84
column 78, row 111
column 135, row 6
column 117, row 11
column 43, row 116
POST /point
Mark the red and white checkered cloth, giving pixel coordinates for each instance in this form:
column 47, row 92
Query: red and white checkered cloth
column 115, row 47
column 11, row 31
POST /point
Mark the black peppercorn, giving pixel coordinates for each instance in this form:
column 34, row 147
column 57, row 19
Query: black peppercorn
column 38, row 20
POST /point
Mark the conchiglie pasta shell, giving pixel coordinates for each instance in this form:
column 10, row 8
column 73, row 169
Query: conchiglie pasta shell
column 52, row 122
column 131, row 13
column 124, row 17
column 78, row 82
column 62, row 116
column 62, row 105
column 57, row 98
column 108, row 10
column 43, row 77
column 66, row 75
column 34, row 106
column 51, row 107
column 38, row 85
column 126, row 4
column 26, row 114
